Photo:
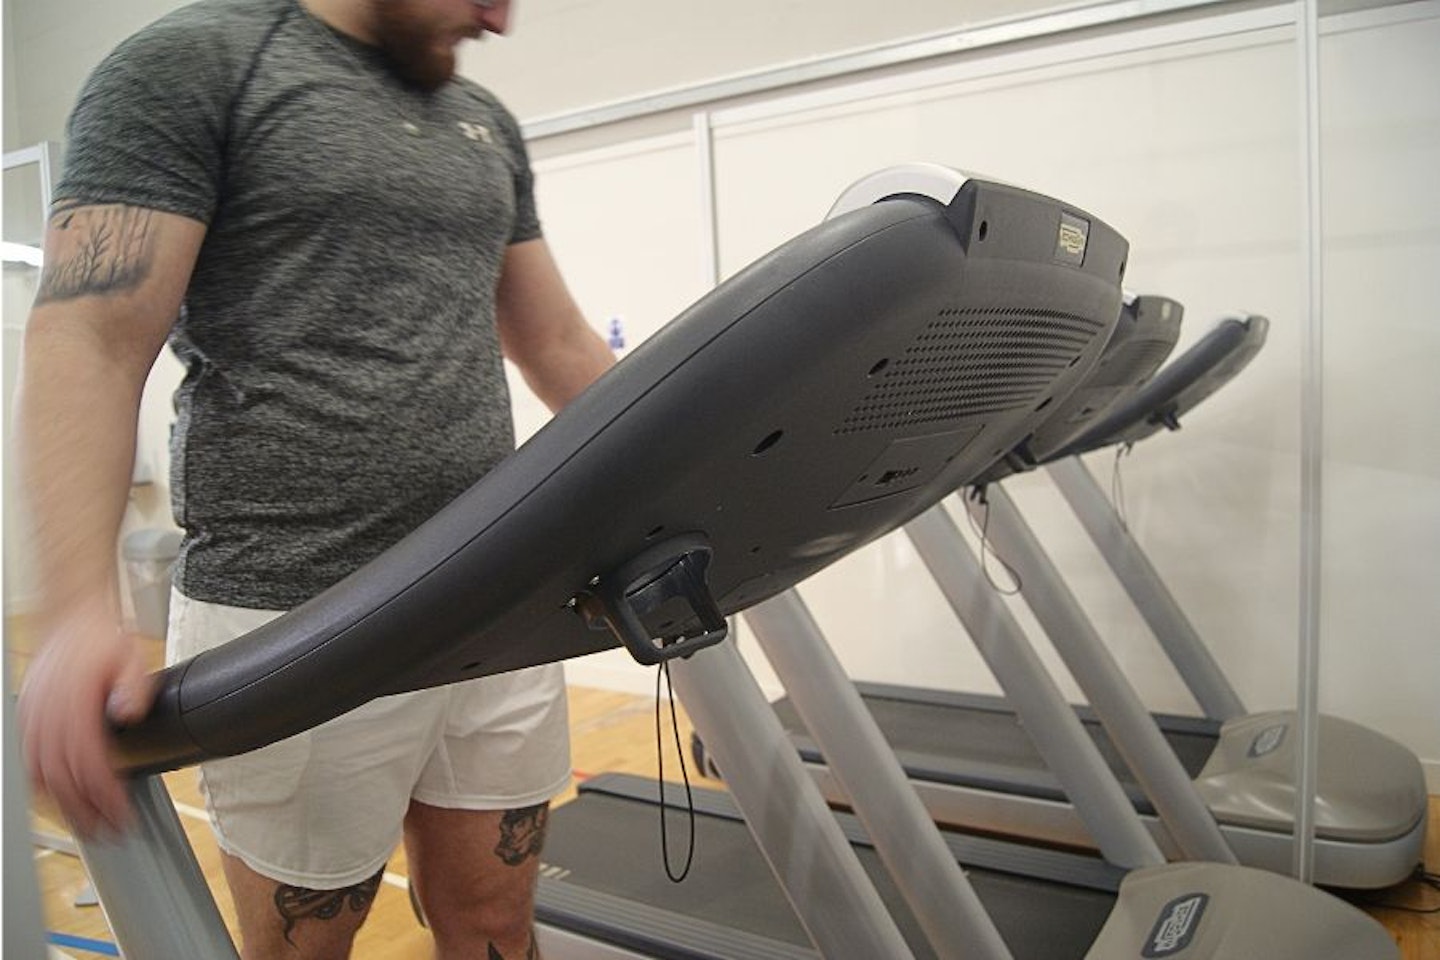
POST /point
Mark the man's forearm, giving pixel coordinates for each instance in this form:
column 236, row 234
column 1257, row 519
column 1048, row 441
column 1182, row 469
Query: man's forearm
column 78, row 406
column 113, row 283
column 568, row 366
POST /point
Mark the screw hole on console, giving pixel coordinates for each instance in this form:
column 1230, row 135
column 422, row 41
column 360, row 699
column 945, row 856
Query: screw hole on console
column 767, row 443
column 984, row 229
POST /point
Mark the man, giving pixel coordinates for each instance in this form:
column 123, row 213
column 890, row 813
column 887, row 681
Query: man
column 347, row 235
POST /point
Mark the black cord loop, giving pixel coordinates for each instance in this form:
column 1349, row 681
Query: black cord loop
column 664, row 672
column 987, row 549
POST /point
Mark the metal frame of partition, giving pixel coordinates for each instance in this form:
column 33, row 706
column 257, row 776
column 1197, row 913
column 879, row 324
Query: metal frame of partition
column 1312, row 443
column 982, row 36
column 46, row 154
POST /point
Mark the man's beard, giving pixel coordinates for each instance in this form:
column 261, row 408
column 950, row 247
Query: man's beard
column 411, row 49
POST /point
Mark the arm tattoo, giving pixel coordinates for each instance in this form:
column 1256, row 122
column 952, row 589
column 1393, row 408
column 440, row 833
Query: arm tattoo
column 109, row 251
column 299, row 903
column 522, row 834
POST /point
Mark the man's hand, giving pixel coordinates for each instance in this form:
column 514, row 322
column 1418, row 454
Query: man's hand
column 87, row 670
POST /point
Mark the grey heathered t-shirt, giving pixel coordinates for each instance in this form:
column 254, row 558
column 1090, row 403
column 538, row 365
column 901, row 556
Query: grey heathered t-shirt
column 344, row 378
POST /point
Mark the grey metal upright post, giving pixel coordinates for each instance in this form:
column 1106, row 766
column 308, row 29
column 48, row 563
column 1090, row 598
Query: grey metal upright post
column 24, row 937
column 1208, row 684
column 799, row 836
column 1129, row 724
column 855, row 750
column 151, row 888
column 1051, row 722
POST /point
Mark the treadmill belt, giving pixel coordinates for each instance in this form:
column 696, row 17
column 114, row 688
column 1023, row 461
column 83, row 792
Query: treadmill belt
column 976, row 741
column 608, row 840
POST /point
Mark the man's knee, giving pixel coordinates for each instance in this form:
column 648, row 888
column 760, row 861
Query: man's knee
column 500, row 911
column 487, row 896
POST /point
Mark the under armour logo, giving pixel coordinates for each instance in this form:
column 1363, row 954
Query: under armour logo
column 475, row 131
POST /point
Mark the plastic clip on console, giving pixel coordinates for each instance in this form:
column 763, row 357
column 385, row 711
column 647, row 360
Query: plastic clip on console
column 670, row 571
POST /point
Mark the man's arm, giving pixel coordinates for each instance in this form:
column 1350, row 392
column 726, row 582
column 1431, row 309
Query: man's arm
column 112, row 285
column 542, row 330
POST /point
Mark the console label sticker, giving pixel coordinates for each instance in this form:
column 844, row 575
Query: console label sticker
column 1178, row 923
column 1070, row 244
column 1267, row 741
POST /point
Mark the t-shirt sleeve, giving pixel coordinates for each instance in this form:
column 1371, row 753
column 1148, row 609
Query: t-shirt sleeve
column 149, row 126
column 527, row 215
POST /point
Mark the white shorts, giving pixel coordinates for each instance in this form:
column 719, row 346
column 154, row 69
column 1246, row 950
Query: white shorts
column 324, row 809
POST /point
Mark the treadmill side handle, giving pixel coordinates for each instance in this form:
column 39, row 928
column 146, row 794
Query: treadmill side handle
column 673, row 570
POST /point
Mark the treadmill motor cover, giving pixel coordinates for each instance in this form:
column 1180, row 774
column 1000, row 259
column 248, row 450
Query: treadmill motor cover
column 1370, row 789
column 1195, row 910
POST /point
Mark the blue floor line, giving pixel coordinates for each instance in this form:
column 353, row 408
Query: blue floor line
column 83, row 943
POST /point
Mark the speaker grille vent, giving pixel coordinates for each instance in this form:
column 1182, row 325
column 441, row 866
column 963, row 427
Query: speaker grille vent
column 972, row 362
column 1133, row 362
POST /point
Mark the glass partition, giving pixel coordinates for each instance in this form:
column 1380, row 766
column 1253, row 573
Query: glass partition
column 1186, row 136
column 1379, row 149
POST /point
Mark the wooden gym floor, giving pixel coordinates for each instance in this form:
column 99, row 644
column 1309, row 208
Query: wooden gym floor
column 610, row 732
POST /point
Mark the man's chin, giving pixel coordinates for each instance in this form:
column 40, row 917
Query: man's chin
column 428, row 71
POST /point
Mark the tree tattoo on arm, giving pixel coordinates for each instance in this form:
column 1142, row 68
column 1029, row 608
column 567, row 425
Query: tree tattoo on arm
column 522, row 834
column 300, row 903
column 107, row 249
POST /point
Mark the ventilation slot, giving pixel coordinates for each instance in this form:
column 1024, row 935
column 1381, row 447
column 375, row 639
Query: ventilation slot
column 972, row 362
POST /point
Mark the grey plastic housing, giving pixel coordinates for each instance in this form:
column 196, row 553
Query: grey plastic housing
column 1206, row 911
column 1370, row 788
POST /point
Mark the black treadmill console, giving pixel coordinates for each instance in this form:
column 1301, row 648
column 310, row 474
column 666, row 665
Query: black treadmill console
column 814, row 402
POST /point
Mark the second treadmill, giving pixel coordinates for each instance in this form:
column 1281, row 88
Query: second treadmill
column 974, row 764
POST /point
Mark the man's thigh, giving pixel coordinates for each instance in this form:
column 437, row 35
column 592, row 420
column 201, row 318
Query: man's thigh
column 281, row 921
column 476, row 823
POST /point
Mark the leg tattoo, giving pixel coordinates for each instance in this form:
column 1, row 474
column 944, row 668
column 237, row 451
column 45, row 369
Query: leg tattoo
column 522, row 834
column 532, row 952
column 300, row 903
